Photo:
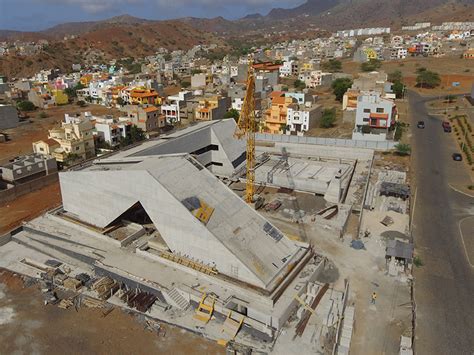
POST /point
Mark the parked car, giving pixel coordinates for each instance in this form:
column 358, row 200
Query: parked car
column 457, row 157
column 421, row 124
column 446, row 126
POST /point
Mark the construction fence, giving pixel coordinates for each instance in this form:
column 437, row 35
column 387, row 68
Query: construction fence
column 349, row 143
column 30, row 186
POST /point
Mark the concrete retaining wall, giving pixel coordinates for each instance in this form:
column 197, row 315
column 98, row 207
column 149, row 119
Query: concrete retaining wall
column 30, row 186
column 349, row 143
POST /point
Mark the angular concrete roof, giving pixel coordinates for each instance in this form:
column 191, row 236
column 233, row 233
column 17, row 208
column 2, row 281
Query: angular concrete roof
column 192, row 139
column 196, row 214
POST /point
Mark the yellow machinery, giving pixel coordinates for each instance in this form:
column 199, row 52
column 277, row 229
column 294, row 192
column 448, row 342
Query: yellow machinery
column 204, row 310
column 230, row 328
column 246, row 128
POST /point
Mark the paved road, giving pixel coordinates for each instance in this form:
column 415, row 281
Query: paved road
column 444, row 285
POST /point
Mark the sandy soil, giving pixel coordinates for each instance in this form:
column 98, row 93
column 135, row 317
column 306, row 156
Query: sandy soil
column 27, row 326
column 22, row 136
column 28, row 207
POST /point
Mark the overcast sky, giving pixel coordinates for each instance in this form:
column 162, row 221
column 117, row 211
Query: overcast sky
column 33, row 15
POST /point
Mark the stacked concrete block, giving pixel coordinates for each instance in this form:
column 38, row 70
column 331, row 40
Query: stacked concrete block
column 346, row 332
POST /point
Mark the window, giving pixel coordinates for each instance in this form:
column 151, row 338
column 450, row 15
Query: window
column 365, row 119
column 41, row 149
column 366, row 110
column 77, row 148
column 380, row 110
column 40, row 165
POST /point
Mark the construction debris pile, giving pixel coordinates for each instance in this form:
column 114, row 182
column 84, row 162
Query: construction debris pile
column 105, row 287
column 142, row 301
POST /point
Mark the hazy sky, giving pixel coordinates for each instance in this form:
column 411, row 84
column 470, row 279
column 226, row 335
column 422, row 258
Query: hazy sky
column 32, row 15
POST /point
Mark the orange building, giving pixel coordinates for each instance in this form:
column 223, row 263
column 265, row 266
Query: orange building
column 275, row 116
column 142, row 96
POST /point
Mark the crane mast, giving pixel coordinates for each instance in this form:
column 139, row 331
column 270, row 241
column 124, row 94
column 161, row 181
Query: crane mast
column 246, row 127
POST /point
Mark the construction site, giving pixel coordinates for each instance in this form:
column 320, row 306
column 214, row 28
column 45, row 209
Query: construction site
column 211, row 230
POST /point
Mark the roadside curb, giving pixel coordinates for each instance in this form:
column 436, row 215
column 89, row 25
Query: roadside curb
column 459, row 191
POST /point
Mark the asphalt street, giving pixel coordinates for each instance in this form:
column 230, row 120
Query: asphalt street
column 443, row 231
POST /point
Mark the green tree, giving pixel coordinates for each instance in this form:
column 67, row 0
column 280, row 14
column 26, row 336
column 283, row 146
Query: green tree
column 340, row 86
column 328, row 118
column 136, row 134
column 196, row 71
column 398, row 88
column 371, row 65
column 428, row 79
column 332, row 65
column 300, row 85
column 81, row 103
column 395, row 76
column 25, row 106
column 120, row 101
column 70, row 92
column 232, row 113
column 185, row 84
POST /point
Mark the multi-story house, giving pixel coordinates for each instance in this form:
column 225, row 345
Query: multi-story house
column 276, row 116
column 212, row 108
column 111, row 130
column 75, row 139
column 301, row 118
column 315, row 78
column 175, row 108
column 375, row 112
column 142, row 96
column 145, row 117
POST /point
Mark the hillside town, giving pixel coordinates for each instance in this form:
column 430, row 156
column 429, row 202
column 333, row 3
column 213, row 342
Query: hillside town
column 263, row 199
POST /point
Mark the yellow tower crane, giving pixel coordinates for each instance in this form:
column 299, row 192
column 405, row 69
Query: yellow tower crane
column 246, row 127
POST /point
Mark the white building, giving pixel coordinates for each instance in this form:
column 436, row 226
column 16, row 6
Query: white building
column 375, row 112
column 316, row 78
column 171, row 111
column 111, row 130
column 301, row 118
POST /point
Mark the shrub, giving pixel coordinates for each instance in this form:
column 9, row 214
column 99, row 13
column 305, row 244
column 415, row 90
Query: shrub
column 25, row 106
column 371, row 65
column 402, row 149
column 328, row 118
column 366, row 129
column 332, row 65
column 42, row 114
column 417, row 261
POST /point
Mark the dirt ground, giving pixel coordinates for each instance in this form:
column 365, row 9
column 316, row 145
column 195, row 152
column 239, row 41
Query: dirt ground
column 28, row 206
column 451, row 69
column 340, row 129
column 37, row 128
column 29, row 327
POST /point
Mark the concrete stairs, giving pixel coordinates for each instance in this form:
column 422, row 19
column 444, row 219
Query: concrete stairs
column 175, row 299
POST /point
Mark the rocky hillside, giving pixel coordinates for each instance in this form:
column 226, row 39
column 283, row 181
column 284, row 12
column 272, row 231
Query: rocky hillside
column 107, row 42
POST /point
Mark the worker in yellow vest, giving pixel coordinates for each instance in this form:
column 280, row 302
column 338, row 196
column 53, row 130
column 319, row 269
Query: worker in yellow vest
column 374, row 297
